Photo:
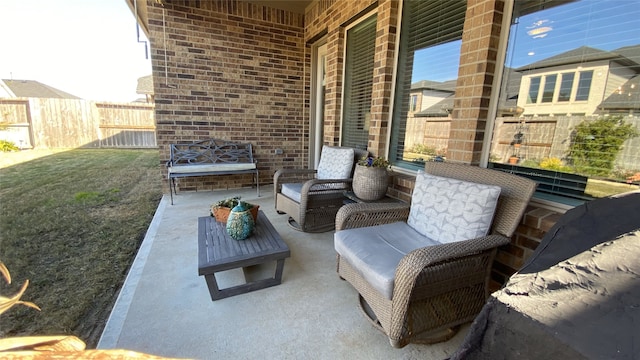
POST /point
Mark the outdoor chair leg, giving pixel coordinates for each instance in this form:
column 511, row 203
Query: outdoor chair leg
column 172, row 181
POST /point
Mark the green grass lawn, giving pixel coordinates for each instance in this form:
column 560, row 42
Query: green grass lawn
column 71, row 223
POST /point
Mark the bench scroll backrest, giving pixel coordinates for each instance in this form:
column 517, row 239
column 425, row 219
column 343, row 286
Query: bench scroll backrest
column 211, row 151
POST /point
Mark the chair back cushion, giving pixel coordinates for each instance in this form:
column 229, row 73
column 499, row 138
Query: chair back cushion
column 448, row 210
column 335, row 163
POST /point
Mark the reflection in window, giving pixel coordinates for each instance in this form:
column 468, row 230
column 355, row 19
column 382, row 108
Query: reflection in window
column 549, row 87
column 566, row 84
column 584, row 85
column 534, row 88
column 414, row 103
column 430, row 41
column 590, row 146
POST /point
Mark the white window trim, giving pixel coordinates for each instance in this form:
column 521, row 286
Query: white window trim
column 497, row 80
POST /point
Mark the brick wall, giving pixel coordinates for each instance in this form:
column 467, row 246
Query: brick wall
column 231, row 70
column 240, row 71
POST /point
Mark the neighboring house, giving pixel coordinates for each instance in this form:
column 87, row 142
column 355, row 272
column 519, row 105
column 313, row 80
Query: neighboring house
column 434, row 99
column 582, row 81
column 145, row 87
column 31, row 88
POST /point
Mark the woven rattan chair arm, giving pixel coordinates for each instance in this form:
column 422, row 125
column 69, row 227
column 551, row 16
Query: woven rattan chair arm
column 291, row 176
column 429, row 255
column 360, row 215
column 315, row 185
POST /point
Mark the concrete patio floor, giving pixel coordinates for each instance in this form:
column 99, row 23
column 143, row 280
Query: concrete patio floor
column 164, row 308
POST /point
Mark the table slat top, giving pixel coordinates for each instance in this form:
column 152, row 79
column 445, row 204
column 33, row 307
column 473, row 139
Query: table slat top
column 218, row 251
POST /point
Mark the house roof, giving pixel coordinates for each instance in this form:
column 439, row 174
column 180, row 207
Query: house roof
column 579, row 55
column 625, row 98
column 32, row 88
column 448, row 86
column 145, row 85
column 441, row 108
column 631, row 53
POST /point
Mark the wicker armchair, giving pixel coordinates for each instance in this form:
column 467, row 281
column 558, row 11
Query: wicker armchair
column 312, row 198
column 432, row 289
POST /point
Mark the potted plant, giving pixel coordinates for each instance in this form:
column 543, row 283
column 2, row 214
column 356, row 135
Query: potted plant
column 222, row 208
column 370, row 178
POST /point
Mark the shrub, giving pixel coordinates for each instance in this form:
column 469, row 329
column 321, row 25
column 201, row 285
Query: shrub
column 7, row 146
column 554, row 164
column 424, row 149
column 596, row 144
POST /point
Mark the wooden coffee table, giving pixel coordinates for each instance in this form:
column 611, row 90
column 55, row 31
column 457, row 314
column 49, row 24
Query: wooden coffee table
column 217, row 251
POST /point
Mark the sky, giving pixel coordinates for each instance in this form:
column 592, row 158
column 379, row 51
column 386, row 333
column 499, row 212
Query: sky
column 88, row 48
column 600, row 24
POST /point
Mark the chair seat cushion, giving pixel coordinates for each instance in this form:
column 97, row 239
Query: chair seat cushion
column 292, row 191
column 376, row 251
column 197, row 168
column 448, row 210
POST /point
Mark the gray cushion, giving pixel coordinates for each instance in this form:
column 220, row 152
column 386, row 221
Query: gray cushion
column 376, row 251
column 335, row 163
column 448, row 210
column 292, row 191
column 184, row 169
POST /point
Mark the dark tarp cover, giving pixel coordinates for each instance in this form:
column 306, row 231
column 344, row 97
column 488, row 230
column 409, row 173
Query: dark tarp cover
column 577, row 297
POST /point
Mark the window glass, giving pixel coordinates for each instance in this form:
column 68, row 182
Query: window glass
column 584, row 85
column 583, row 143
column 566, row 84
column 534, row 88
column 430, row 40
column 549, row 87
column 361, row 41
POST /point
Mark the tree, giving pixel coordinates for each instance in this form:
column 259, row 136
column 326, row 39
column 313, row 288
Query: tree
column 596, row 143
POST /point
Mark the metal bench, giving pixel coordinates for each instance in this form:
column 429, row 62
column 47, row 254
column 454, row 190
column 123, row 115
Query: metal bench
column 210, row 157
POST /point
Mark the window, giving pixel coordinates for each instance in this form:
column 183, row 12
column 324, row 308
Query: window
column 584, row 85
column 534, row 89
column 585, row 143
column 414, row 102
column 428, row 59
column 549, row 88
column 566, row 84
column 361, row 41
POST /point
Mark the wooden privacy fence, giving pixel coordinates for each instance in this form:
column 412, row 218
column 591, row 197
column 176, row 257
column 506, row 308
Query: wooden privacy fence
column 544, row 137
column 71, row 123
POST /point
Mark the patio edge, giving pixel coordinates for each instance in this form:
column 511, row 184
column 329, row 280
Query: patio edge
column 113, row 328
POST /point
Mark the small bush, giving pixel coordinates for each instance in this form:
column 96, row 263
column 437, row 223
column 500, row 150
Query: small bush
column 424, row 149
column 554, row 164
column 7, row 146
column 596, row 144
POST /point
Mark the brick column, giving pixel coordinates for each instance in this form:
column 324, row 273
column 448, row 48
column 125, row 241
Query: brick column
column 478, row 54
column 383, row 68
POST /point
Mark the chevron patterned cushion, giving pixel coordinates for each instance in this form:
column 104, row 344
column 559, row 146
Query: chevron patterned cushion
column 448, row 210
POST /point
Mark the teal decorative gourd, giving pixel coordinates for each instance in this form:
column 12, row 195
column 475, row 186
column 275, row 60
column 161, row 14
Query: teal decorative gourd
column 240, row 224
